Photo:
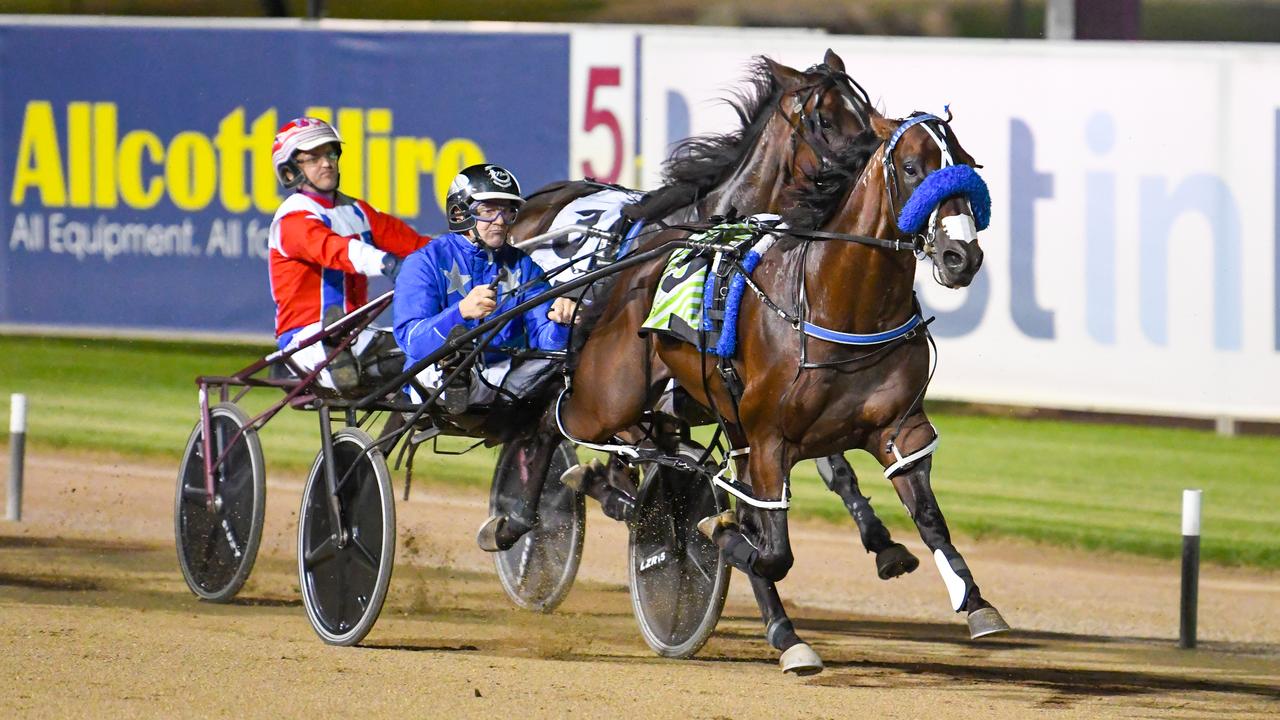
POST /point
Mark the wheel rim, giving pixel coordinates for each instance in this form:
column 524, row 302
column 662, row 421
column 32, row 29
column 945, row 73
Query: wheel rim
column 678, row 581
column 344, row 587
column 538, row 571
column 217, row 547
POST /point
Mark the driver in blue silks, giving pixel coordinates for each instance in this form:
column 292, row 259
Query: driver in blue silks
column 452, row 284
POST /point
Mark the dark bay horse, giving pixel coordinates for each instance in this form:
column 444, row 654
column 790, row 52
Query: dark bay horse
column 806, row 393
column 783, row 159
column 793, row 124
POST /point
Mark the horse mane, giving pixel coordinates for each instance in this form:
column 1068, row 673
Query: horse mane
column 810, row 204
column 698, row 164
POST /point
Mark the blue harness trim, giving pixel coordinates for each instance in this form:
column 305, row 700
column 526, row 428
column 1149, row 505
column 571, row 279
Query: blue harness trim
column 940, row 185
column 630, row 240
column 903, row 128
column 880, row 338
column 728, row 342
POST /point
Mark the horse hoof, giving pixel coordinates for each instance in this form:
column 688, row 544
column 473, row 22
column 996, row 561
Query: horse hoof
column 574, row 477
column 487, row 538
column 801, row 660
column 894, row 561
column 986, row 621
column 708, row 525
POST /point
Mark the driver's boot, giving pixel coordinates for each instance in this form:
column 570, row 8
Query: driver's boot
column 593, row 479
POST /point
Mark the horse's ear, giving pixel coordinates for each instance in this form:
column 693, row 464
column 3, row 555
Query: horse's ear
column 882, row 126
column 787, row 76
column 833, row 61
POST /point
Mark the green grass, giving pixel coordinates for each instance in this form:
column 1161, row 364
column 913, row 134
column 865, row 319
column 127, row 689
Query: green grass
column 1093, row 486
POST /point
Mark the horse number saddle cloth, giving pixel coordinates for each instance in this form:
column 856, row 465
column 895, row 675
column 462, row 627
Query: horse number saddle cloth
column 602, row 211
column 699, row 293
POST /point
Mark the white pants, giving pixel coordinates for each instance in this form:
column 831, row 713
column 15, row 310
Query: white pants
column 313, row 355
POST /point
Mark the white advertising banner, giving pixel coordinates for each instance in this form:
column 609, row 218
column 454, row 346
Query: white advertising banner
column 602, row 105
column 1131, row 262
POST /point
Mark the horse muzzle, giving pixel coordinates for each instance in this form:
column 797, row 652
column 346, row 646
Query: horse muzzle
column 956, row 254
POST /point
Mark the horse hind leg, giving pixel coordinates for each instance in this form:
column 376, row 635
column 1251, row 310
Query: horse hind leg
column 916, row 493
column 610, row 485
column 501, row 531
column 892, row 558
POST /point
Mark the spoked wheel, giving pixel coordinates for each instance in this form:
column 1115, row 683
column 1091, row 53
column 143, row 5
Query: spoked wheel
column 538, row 571
column 217, row 543
column 344, row 577
column 678, row 580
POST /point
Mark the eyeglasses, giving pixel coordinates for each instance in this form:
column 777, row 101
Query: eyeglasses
column 487, row 213
column 331, row 156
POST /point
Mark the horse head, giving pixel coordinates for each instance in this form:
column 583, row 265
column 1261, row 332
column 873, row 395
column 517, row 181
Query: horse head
column 935, row 194
column 794, row 126
column 821, row 111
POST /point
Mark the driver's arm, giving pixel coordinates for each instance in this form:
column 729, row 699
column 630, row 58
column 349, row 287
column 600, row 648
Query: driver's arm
column 422, row 320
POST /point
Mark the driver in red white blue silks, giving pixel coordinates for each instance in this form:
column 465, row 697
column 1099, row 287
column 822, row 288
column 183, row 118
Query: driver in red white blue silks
column 324, row 245
column 468, row 275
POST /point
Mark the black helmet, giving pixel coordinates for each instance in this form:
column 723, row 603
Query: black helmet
column 477, row 184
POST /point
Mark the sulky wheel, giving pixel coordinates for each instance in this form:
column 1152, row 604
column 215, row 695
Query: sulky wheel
column 538, row 571
column 218, row 542
column 344, row 576
column 678, row 579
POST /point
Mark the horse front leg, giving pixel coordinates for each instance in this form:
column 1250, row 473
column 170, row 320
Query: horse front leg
column 733, row 539
column 916, row 493
column 757, row 542
column 892, row 558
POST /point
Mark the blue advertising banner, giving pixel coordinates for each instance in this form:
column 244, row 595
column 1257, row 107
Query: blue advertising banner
column 136, row 186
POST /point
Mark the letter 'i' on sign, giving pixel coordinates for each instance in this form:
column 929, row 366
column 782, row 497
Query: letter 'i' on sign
column 1275, row 278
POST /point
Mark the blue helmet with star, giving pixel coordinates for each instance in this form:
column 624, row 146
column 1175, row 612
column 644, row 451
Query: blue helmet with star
column 475, row 184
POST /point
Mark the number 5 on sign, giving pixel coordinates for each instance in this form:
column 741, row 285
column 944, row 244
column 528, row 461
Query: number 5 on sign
column 602, row 107
column 598, row 77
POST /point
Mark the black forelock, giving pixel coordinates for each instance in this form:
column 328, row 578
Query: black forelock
column 811, row 203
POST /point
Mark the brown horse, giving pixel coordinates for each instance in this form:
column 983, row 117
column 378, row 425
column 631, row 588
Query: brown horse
column 806, row 397
column 795, row 125
column 785, row 156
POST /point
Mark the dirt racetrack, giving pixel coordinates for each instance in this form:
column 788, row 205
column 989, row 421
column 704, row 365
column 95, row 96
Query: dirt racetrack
column 96, row 621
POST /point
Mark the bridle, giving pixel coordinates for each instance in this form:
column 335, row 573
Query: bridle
column 807, row 125
column 936, row 127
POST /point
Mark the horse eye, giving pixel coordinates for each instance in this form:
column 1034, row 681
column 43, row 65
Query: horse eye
column 909, row 169
column 824, row 122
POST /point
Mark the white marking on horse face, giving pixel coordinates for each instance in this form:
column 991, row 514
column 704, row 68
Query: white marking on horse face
column 955, row 585
column 960, row 228
column 849, row 104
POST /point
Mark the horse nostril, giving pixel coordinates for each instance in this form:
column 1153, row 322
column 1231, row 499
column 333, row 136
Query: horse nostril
column 977, row 257
column 953, row 259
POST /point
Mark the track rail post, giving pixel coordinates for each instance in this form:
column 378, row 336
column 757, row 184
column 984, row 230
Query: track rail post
column 1190, row 567
column 17, row 449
